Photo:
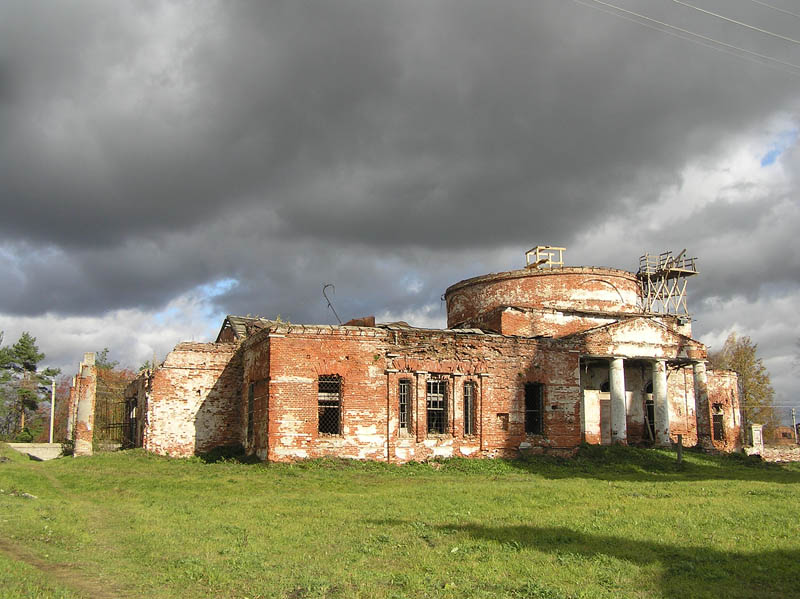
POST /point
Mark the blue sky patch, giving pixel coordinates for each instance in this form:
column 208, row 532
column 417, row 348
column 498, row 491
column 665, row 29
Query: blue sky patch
column 784, row 141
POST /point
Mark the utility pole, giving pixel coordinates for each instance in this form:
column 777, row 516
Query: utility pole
column 52, row 407
column 794, row 425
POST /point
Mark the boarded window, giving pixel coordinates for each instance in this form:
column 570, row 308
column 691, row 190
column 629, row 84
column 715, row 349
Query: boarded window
column 469, row 408
column 404, row 399
column 534, row 408
column 329, row 404
column 250, row 411
column 437, row 407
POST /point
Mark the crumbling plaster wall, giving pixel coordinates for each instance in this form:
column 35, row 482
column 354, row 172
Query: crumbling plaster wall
column 84, row 396
column 593, row 290
column 194, row 400
column 533, row 322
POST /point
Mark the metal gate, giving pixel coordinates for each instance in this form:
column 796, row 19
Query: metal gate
column 110, row 415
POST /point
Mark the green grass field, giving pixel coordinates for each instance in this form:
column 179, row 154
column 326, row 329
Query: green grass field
column 613, row 522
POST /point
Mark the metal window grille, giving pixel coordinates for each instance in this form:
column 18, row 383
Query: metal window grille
column 469, row 408
column 437, row 407
column 329, row 402
column 404, row 398
column 534, row 408
column 250, row 411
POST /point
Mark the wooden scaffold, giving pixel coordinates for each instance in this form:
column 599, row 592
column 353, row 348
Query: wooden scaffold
column 663, row 279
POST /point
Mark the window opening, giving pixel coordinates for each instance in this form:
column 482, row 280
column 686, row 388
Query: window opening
column 469, row 408
column 650, row 413
column 437, row 407
column 329, row 401
column 534, row 408
column 718, row 422
column 502, row 421
column 404, row 398
column 250, row 410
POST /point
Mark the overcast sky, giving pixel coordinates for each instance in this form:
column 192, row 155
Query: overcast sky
column 163, row 164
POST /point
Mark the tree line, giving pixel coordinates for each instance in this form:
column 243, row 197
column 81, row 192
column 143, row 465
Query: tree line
column 25, row 390
column 22, row 386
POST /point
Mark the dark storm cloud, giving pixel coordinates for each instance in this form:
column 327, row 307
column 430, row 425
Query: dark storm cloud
column 155, row 147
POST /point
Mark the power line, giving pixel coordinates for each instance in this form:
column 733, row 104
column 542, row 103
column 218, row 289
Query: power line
column 748, row 54
column 788, row 12
column 740, row 23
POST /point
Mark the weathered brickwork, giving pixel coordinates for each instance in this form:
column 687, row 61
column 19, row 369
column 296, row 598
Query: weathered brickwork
column 85, row 394
column 592, row 290
column 539, row 361
column 778, row 453
column 192, row 403
column 284, row 366
column 723, row 403
column 783, row 435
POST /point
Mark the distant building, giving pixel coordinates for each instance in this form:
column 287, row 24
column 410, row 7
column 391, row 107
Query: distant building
column 784, row 435
column 534, row 360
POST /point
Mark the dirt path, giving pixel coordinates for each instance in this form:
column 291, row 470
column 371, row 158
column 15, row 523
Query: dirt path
column 63, row 574
column 71, row 575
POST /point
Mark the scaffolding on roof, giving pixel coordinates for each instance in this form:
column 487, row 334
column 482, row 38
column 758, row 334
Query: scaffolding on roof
column 663, row 280
column 544, row 256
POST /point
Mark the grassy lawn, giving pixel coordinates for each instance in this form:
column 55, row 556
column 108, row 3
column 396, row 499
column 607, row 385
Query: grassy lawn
column 613, row 522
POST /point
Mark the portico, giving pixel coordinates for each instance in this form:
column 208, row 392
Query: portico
column 641, row 382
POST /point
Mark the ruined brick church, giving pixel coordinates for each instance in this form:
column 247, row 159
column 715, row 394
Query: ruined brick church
column 536, row 360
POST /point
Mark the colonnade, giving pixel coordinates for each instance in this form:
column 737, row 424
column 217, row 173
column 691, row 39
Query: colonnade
column 619, row 413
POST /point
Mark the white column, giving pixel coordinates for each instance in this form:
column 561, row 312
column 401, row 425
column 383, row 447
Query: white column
column 52, row 407
column 660, row 402
column 702, row 412
column 619, row 414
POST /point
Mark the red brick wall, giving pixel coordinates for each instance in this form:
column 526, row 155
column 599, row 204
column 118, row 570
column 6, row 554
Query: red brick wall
column 680, row 393
column 296, row 360
column 198, row 399
column 574, row 288
column 372, row 361
column 723, row 389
